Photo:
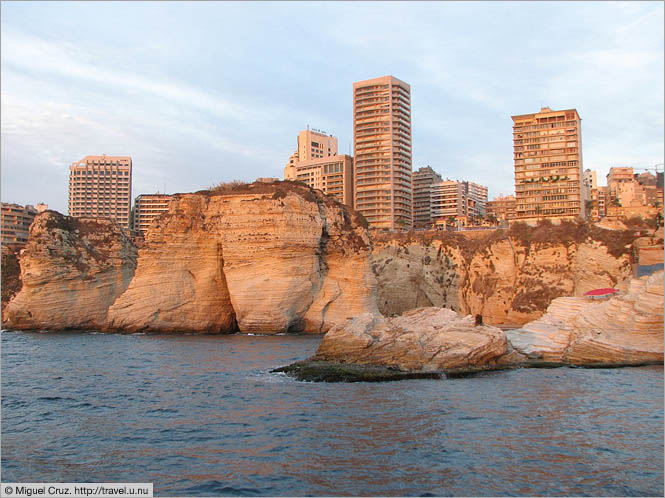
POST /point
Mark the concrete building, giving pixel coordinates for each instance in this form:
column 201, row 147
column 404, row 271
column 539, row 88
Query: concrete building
column 333, row 175
column 448, row 199
column 101, row 187
column 313, row 144
column 382, row 152
column 502, row 208
column 146, row 208
column 547, row 149
column 16, row 221
column 476, row 199
column 422, row 181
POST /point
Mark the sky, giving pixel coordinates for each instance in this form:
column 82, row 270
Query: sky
column 203, row 92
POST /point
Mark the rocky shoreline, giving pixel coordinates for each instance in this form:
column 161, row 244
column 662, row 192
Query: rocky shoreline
column 626, row 330
column 281, row 257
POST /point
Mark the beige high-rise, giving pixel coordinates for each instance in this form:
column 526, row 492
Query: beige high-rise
column 101, row 187
column 548, row 165
column 382, row 152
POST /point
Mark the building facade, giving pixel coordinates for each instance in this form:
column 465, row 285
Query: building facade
column 547, row 149
column 476, row 199
column 101, row 187
column 382, row 152
column 147, row 207
column 332, row 175
column 448, row 199
column 313, row 144
column 423, row 179
column 502, row 208
column 16, row 221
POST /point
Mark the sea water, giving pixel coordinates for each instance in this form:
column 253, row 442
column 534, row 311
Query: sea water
column 204, row 416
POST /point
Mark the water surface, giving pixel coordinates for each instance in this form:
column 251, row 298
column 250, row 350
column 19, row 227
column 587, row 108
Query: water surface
column 203, row 416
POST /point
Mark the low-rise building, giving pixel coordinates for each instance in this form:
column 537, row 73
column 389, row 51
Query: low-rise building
column 147, row 207
column 502, row 208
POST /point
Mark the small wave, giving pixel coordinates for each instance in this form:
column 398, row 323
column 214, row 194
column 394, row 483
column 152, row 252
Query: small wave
column 215, row 487
column 162, row 410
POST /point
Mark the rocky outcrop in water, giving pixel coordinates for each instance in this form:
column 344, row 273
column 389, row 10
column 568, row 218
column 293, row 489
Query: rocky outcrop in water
column 508, row 276
column 262, row 258
column 626, row 329
column 72, row 270
column 426, row 339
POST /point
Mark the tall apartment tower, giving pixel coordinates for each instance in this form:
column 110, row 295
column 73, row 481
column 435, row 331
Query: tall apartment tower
column 101, row 187
column 548, row 166
column 382, row 152
column 423, row 178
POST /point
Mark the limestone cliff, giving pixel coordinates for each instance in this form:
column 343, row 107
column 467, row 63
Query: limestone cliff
column 508, row 276
column 72, row 270
column 271, row 258
column 426, row 339
column 625, row 329
column 261, row 258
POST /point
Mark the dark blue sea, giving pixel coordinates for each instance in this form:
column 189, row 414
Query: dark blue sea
column 203, row 416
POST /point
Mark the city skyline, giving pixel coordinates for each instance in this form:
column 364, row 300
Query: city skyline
column 195, row 97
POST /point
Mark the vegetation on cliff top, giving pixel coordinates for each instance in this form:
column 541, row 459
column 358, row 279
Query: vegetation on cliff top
column 617, row 242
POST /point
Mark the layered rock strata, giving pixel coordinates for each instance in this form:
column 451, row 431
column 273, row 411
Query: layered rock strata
column 508, row 277
column 261, row 258
column 426, row 339
column 626, row 329
column 72, row 270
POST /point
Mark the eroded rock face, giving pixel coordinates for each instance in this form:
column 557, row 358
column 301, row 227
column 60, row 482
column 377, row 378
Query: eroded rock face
column 506, row 279
column 271, row 260
column 72, row 270
column 426, row 339
column 179, row 284
column 626, row 329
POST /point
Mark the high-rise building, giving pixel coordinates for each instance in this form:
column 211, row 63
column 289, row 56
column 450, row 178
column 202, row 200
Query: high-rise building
column 332, row 175
column 147, row 207
column 16, row 221
column 422, row 180
column 313, row 144
column 548, row 165
column 101, row 187
column 382, row 152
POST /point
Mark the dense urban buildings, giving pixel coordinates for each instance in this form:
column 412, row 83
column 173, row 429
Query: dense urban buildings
column 146, row 208
column 464, row 201
column 382, row 152
column 317, row 164
column 333, row 175
column 422, row 182
column 16, row 221
column 101, row 187
column 547, row 150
